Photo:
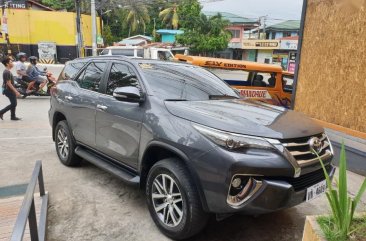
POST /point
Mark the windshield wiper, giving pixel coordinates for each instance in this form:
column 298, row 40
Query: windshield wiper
column 175, row 100
column 222, row 97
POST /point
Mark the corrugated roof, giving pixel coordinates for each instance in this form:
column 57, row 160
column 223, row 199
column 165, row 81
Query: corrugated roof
column 286, row 25
column 140, row 36
column 132, row 41
column 231, row 17
column 169, row 31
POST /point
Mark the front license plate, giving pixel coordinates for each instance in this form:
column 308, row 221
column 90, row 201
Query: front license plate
column 316, row 190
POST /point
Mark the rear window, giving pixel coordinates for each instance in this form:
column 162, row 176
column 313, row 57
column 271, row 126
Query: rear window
column 70, row 70
column 140, row 53
column 125, row 52
column 104, row 52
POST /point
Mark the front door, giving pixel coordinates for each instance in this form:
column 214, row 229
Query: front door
column 118, row 124
column 83, row 99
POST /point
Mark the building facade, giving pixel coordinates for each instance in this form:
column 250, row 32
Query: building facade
column 238, row 27
column 29, row 29
column 289, row 28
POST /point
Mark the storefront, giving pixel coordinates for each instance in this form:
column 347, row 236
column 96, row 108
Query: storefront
column 261, row 49
column 286, row 55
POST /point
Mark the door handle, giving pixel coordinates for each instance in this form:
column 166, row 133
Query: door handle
column 102, row 107
column 67, row 97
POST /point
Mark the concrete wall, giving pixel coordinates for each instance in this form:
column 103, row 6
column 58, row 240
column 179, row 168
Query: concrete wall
column 332, row 75
column 33, row 26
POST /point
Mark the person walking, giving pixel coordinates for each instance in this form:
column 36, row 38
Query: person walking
column 9, row 90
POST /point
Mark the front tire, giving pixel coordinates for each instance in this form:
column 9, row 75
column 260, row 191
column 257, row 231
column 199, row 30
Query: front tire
column 65, row 145
column 173, row 200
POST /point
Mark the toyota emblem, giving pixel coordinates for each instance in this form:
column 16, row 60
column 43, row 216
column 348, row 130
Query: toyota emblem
column 315, row 145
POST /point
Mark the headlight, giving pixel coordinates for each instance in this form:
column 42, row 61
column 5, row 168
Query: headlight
column 232, row 141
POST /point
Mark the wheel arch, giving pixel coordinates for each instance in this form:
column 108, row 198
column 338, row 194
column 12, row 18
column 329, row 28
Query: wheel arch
column 57, row 117
column 157, row 151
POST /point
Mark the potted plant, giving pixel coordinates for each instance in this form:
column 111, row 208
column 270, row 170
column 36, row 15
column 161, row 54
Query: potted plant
column 341, row 224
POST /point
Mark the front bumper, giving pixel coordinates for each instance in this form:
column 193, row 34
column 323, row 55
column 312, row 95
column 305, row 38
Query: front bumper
column 279, row 188
column 275, row 195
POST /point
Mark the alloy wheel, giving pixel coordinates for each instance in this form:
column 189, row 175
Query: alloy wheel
column 62, row 143
column 167, row 200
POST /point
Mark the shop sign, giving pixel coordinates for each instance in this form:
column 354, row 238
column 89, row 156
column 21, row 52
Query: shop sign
column 291, row 67
column 292, row 56
column 261, row 44
column 47, row 52
column 18, row 4
column 291, row 62
column 290, row 44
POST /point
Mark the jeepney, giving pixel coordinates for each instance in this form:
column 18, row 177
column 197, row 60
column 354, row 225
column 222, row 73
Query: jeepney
column 265, row 82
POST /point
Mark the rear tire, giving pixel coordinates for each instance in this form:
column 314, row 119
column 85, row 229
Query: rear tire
column 173, row 200
column 65, row 145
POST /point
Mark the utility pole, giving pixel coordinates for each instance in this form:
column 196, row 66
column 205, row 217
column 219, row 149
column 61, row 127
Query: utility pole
column 262, row 22
column 4, row 4
column 78, row 28
column 94, row 28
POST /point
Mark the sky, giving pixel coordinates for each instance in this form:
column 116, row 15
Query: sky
column 275, row 9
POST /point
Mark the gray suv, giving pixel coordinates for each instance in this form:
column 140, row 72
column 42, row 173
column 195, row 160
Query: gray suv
column 187, row 138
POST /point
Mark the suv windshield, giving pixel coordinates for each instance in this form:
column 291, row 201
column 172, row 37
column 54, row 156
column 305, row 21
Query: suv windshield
column 185, row 82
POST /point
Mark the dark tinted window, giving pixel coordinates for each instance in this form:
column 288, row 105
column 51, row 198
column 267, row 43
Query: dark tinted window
column 70, row 70
column 125, row 52
column 104, row 52
column 287, row 83
column 91, row 76
column 121, row 76
column 140, row 53
column 173, row 81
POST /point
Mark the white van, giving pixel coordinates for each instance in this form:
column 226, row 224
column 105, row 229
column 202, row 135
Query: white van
column 139, row 52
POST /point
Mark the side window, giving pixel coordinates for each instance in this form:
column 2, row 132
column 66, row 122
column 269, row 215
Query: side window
column 121, row 76
column 287, row 83
column 70, row 70
column 261, row 79
column 91, row 77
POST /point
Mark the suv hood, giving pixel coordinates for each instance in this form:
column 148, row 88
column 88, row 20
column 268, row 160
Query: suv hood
column 246, row 117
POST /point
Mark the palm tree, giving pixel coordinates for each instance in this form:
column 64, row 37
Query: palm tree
column 138, row 16
column 170, row 16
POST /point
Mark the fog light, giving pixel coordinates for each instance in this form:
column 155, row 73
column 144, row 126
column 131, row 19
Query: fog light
column 236, row 182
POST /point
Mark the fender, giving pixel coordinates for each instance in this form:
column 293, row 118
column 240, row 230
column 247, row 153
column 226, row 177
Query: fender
column 186, row 161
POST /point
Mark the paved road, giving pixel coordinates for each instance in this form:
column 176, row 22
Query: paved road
column 87, row 203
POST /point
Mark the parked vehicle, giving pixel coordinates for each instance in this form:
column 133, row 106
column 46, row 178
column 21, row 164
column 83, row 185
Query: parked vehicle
column 22, row 86
column 139, row 52
column 187, row 138
column 253, row 80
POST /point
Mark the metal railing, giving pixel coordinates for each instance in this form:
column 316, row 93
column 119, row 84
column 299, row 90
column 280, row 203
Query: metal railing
column 28, row 211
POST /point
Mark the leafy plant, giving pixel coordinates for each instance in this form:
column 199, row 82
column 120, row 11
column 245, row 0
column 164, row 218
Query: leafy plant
column 342, row 205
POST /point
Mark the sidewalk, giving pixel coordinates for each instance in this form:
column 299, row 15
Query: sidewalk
column 355, row 150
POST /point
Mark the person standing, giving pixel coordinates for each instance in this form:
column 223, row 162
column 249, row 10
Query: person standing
column 9, row 90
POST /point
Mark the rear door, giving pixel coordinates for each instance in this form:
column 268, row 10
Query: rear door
column 118, row 124
column 83, row 98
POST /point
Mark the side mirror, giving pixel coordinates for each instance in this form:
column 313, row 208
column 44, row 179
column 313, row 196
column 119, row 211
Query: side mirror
column 128, row 94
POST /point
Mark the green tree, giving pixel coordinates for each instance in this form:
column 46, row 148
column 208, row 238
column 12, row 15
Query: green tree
column 207, row 35
column 170, row 16
column 137, row 17
column 189, row 12
column 107, row 35
column 58, row 5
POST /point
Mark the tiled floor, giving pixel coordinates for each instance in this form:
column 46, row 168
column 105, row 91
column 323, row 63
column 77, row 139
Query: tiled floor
column 9, row 209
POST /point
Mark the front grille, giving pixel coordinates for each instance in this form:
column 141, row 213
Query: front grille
column 300, row 149
column 307, row 180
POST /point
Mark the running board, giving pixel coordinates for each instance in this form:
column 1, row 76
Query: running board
column 108, row 166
